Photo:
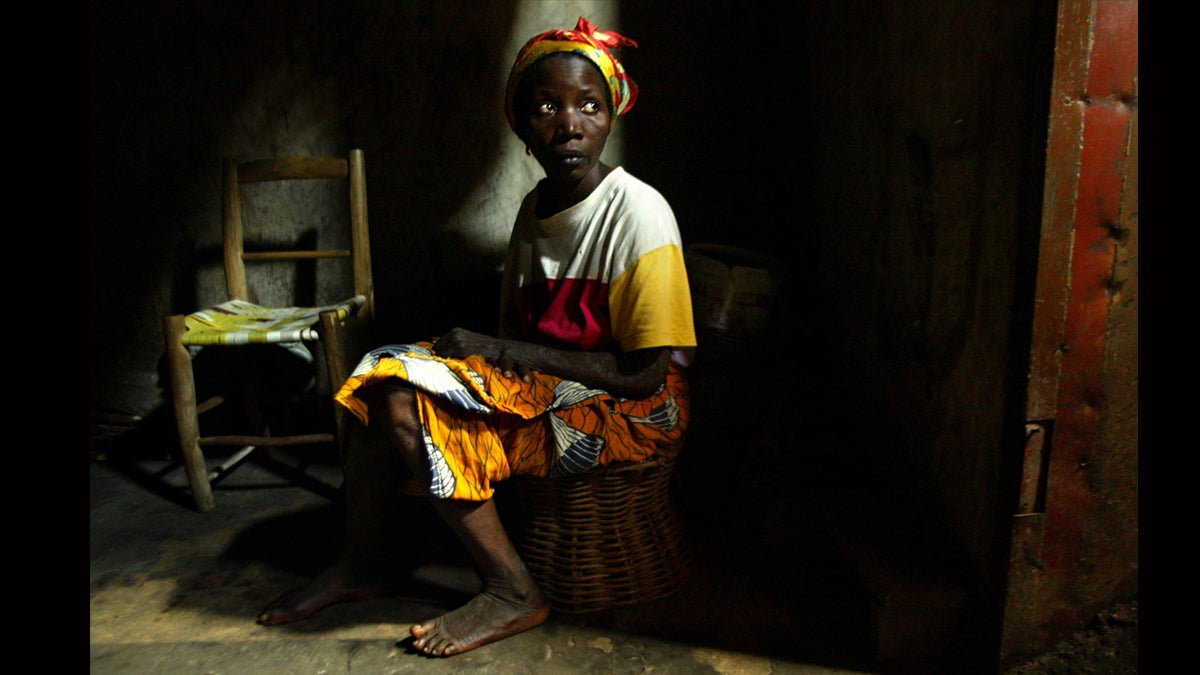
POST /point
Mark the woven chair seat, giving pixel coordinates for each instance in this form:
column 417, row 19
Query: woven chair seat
column 608, row 537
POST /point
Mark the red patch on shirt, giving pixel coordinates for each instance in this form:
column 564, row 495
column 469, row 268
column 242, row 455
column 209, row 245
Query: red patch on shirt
column 572, row 312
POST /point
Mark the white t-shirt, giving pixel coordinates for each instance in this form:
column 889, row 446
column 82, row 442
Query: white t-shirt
column 606, row 272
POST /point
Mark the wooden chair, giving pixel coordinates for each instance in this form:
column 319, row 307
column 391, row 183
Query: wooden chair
column 334, row 326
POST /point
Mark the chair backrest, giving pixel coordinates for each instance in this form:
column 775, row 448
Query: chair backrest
column 274, row 242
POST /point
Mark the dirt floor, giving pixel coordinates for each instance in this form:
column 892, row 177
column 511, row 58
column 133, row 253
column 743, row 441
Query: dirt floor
column 1108, row 646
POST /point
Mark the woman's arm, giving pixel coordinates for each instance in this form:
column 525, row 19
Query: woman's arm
column 637, row 374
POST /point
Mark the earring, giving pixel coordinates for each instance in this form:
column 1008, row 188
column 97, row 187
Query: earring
column 528, row 151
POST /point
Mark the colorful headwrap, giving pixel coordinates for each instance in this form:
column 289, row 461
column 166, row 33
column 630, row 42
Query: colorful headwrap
column 587, row 41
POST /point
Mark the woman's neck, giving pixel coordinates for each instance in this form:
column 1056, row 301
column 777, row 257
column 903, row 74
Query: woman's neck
column 556, row 197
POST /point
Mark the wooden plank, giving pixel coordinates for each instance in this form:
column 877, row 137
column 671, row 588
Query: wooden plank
column 295, row 255
column 268, row 441
column 1058, row 207
column 301, row 168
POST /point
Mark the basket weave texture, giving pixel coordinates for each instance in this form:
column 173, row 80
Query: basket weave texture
column 608, row 537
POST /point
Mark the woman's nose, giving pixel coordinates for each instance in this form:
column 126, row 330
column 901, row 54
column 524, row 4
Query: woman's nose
column 569, row 123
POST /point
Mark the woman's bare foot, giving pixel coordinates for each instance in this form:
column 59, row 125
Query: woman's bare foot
column 492, row 615
column 334, row 585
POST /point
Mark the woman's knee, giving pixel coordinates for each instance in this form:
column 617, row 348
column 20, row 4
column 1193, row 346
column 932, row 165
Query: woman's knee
column 394, row 407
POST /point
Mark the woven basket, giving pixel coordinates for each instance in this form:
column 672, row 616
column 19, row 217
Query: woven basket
column 609, row 537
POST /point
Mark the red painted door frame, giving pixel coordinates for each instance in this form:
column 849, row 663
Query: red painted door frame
column 1092, row 128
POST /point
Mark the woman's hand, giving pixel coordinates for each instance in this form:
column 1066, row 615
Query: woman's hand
column 635, row 374
column 459, row 343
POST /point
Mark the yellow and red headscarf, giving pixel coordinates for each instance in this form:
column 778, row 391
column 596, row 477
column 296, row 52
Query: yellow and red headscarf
column 587, row 41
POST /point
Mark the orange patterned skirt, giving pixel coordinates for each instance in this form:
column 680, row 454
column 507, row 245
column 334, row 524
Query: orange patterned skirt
column 481, row 427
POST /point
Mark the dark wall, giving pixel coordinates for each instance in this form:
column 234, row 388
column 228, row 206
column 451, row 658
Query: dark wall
column 177, row 86
column 888, row 153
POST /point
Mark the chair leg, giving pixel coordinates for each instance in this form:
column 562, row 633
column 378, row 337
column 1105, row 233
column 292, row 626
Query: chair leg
column 187, row 421
column 334, row 343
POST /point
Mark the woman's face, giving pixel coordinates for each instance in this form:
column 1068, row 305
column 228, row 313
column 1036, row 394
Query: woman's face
column 567, row 117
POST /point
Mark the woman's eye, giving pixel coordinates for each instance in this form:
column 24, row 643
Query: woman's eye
column 591, row 107
column 544, row 108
